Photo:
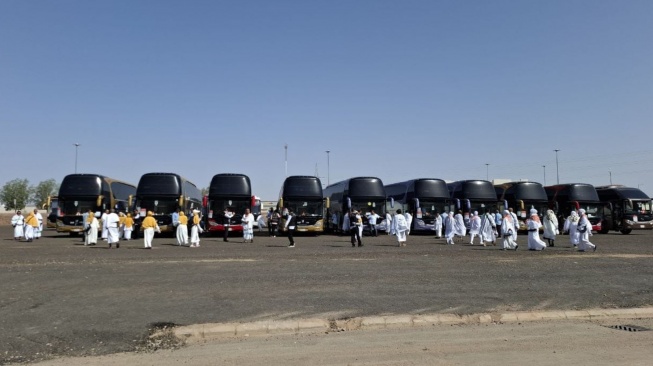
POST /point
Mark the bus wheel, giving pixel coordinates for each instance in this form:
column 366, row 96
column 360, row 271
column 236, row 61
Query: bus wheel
column 626, row 231
column 604, row 230
column 73, row 234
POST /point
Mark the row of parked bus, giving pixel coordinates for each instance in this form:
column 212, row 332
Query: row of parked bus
column 322, row 210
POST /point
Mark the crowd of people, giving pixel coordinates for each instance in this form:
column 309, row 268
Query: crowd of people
column 111, row 227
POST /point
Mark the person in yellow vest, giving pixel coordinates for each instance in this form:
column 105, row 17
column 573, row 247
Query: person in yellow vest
column 31, row 224
column 182, row 229
column 195, row 230
column 149, row 227
column 128, row 227
column 121, row 224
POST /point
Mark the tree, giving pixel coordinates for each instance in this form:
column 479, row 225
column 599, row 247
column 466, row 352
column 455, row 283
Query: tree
column 15, row 194
column 45, row 189
column 205, row 191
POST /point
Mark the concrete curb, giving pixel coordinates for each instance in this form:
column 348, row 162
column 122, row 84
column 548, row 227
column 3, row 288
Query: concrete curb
column 200, row 332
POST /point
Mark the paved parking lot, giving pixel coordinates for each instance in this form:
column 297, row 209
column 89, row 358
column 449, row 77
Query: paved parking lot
column 61, row 298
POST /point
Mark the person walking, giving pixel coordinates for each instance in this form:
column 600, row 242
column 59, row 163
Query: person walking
column 488, row 228
column 149, row 227
column 269, row 217
column 438, row 225
column 355, row 222
column 459, row 225
column 182, row 229
column 450, row 232
column 388, row 224
column 92, row 230
column 291, row 222
column 128, row 227
column 137, row 224
column 409, row 221
column 400, row 228
column 274, row 223
column 39, row 229
column 105, row 228
column 498, row 220
column 508, row 232
column 31, row 224
column 533, row 224
column 195, row 230
column 228, row 215
column 515, row 221
column 248, row 226
column 550, row 227
column 585, row 230
column 113, row 229
column 371, row 221
column 571, row 226
column 475, row 228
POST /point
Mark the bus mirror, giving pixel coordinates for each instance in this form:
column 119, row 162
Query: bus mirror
column 348, row 203
column 505, row 204
column 130, row 200
column 417, row 203
column 280, row 204
column 253, row 202
column 468, row 204
column 48, row 202
column 328, row 202
column 521, row 205
column 392, row 202
column 205, row 201
column 577, row 205
column 556, row 206
column 98, row 202
column 181, row 201
column 457, row 203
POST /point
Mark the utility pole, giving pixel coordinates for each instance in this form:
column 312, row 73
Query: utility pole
column 487, row 171
column 557, row 170
column 610, row 172
column 544, row 168
column 328, row 168
column 286, row 158
column 76, row 148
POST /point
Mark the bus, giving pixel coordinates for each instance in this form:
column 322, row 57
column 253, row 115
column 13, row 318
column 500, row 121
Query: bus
column 303, row 195
column 233, row 191
column 564, row 198
column 424, row 198
column 361, row 193
column 522, row 197
column 80, row 192
column 163, row 194
column 626, row 209
column 472, row 195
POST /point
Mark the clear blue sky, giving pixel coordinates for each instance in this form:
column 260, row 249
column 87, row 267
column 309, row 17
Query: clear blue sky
column 395, row 89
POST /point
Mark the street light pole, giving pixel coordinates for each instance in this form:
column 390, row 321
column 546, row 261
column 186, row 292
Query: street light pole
column 487, row 171
column 76, row 148
column 544, row 168
column 286, row 158
column 610, row 177
column 328, row 168
column 557, row 169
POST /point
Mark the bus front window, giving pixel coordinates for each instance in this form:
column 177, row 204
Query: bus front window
column 305, row 208
column 77, row 207
column 159, row 206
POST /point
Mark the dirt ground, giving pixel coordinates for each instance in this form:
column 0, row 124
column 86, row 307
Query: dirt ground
column 542, row 343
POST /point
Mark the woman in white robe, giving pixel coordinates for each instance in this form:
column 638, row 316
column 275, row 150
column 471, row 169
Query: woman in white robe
column 459, row 225
column 450, row 228
column 400, row 228
column 571, row 225
column 93, row 226
column 105, row 228
column 474, row 228
column 585, row 230
column 488, row 229
column 195, row 230
column 18, row 222
column 39, row 229
column 438, row 225
column 533, row 224
column 550, row 227
column 508, row 232
column 248, row 227
column 182, row 229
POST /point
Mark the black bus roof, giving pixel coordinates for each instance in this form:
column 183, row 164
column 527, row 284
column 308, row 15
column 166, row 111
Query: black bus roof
column 532, row 191
column 230, row 185
column 621, row 192
column 472, row 189
column 302, row 186
column 421, row 188
column 583, row 192
column 161, row 184
column 359, row 187
column 84, row 184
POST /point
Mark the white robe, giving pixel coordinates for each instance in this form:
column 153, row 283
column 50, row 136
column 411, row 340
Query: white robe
column 409, row 221
column 113, row 230
column 571, row 226
column 534, row 241
column 105, row 231
column 459, row 225
column 550, row 227
column 345, row 223
column 38, row 230
column 388, row 224
column 474, row 228
column 450, row 230
column 488, row 229
column 91, row 235
column 400, row 227
column 29, row 232
column 438, row 226
column 148, row 235
column 508, row 233
column 248, row 227
column 18, row 222
column 195, row 236
column 182, row 234
column 584, row 242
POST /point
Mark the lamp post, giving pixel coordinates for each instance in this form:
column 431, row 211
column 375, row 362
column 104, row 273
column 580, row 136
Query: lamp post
column 328, row 168
column 557, row 170
column 285, row 147
column 76, row 148
column 544, row 169
column 610, row 172
column 487, row 171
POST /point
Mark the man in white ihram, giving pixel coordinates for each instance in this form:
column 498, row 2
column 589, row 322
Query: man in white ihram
column 113, row 228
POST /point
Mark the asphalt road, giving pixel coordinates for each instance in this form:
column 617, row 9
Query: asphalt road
column 61, row 298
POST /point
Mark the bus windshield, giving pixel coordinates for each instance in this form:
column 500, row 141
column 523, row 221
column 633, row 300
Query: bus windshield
column 305, row 208
column 367, row 206
column 158, row 206
column 637, row 207
column 591, row 209
column 429, row 208
column 77, row 207
column 237, row 206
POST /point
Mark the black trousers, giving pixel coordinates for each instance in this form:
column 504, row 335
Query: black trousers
column 225, row 234
column 355, row 235
column 136, row 231
column 291, row 240
column 372, row 229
